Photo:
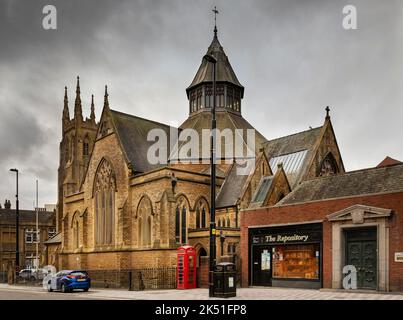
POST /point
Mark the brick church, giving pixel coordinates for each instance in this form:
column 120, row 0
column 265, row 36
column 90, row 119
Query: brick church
column 118, row 211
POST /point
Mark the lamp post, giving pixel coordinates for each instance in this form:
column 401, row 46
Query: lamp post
column 17, row 225
column 37, row 230
column 210, row 59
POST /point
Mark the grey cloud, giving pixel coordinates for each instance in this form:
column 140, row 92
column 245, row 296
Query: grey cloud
column 292, row 56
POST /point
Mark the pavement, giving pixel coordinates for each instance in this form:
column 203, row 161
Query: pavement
column 11, row 292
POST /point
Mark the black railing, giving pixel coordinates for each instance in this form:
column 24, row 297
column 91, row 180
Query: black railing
column 134, row 279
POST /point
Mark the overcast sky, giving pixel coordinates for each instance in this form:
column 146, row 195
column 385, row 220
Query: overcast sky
column 293, row 57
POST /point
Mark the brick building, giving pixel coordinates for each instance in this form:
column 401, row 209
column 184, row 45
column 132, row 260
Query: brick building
column 324, row 224
column 27, row 235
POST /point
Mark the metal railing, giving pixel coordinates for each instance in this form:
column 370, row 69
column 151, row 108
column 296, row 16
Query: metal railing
column 134, row 279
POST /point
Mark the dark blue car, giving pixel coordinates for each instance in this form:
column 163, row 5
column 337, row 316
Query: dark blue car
column 68, row 280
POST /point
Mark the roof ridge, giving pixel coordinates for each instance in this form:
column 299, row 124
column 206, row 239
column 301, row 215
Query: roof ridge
column 141, row 118
column 351, row 173
column 294, row 134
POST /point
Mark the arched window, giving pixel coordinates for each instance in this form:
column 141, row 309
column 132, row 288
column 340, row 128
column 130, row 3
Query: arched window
column 104, row 194
column 75, row 225
column 329, row 166
column 86, row 147
column 144, row 215
column 181, row 213
column 198, row 217
column 228, row 222
column 201, row 213
column 67, row 149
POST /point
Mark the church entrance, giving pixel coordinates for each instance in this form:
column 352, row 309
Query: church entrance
column 361, row 252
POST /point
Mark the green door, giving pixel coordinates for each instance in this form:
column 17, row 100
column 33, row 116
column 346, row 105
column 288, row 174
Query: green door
column 362, row 253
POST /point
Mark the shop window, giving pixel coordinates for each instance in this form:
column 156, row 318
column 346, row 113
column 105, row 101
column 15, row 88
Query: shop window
column 296, row 262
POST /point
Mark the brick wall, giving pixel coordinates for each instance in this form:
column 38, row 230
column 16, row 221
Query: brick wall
column 318, row 211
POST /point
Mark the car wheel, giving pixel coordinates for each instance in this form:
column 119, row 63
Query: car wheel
column 86, row 289
column 32, row 278
column 63, row 288
column 50, row 288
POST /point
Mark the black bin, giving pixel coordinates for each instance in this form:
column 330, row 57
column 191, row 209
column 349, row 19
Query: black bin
column 224, row 279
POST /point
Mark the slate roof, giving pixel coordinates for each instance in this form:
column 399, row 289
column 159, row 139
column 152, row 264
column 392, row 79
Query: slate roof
column 132, row 132
column 8, row 215
column 225, row 120
column 231, row 189
column 355, row 183
column 294, row 143
column 224, row 70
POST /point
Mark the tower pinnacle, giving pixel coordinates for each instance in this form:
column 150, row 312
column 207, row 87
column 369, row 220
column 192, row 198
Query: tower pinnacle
column 92, row 116
column 78, row 113
column 106, row 101
column 66, row 114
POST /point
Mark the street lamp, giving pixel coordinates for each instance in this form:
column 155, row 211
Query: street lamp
column 211, row 59
column 17, row 225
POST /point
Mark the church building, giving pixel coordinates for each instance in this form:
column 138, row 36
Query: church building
column 118, row 211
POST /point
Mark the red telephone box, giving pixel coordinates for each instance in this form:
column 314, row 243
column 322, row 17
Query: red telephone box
column 186, row 268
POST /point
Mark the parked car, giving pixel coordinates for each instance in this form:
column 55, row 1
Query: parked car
column 32, row 274
column 68, row 280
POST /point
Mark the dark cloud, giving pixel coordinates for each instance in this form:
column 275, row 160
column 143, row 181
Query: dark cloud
column 292, row 56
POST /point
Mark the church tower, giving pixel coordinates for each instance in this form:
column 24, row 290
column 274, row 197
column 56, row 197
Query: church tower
column 229, row 95
column 78, row 138
column 229, row 91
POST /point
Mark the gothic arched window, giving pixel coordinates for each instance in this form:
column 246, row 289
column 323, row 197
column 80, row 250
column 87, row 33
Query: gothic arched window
column 201, row 213
column 181, row 213
column 104, row 192
column 86, row 147
column 75, row 225
column 144, row 215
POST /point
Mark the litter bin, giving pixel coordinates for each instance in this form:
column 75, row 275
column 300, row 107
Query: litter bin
column 224, row 279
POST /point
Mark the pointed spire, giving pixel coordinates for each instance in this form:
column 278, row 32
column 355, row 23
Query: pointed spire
column 106, row 101
column 92, row 116
column 78, row 112
column 66, row 114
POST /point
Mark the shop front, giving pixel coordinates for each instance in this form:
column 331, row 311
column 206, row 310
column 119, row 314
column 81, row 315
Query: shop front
column 286, row 256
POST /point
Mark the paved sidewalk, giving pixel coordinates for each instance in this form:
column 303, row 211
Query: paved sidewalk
column 202, row 294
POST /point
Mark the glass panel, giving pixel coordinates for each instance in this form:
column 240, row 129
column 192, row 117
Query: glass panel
column 197, row 218
column 266, row 257
column 296, row 261
column 177, row 226
column 184, row 225
column 203, row 224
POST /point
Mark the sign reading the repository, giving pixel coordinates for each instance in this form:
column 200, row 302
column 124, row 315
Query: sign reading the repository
column 280, row 238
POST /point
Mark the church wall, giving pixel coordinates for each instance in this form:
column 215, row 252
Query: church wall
column 108, row 147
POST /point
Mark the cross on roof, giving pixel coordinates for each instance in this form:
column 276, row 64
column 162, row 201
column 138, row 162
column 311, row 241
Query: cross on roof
column 215, row 20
